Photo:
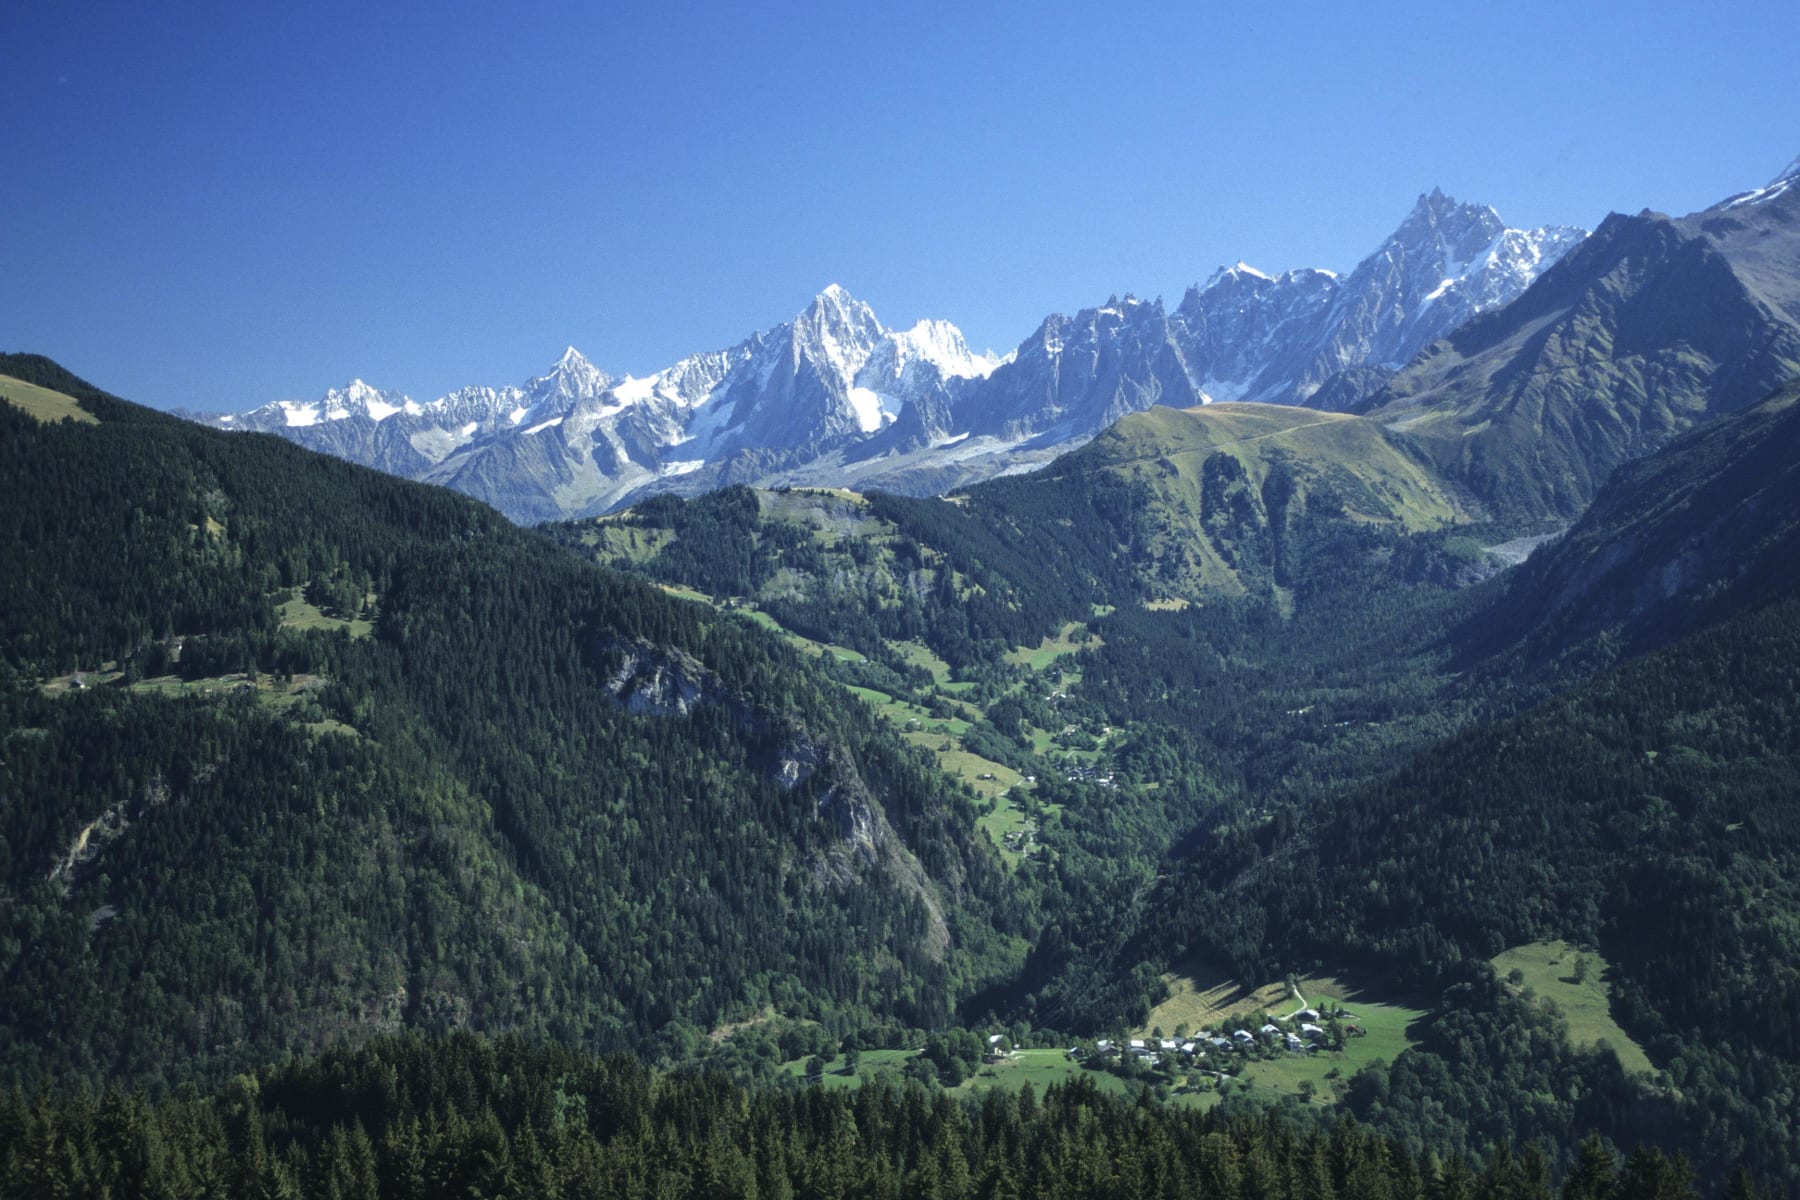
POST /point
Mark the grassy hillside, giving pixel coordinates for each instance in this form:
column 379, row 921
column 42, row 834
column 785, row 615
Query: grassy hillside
column 42, row 402
column 1232, row 499
column 1573, row 981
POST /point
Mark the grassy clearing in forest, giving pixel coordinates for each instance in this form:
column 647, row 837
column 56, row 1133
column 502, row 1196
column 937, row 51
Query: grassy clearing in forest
column 837, row 1076
column 1553, row 972
column 922, row 656
column 42, row 403
column 297, row 613
column 804, row 644
column 1010, row 817
column 1067, row 642
column 1039, row 1068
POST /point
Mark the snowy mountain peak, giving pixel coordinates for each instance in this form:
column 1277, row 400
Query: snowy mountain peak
column 1790, row 175
column 574, row 369
column 837, row 331
column 941, row 344
column 834, row 305
column 833, row 391
column 1442, row 218
column 572, row 380
column 1240, row 274
column 1438, row 204
column 1247, row 336
column 359, row 399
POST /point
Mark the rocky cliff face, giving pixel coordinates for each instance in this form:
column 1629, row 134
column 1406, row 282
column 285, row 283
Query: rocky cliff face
column 655, row 681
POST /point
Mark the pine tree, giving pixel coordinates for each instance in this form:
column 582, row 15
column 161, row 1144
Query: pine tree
column 1595, row 1170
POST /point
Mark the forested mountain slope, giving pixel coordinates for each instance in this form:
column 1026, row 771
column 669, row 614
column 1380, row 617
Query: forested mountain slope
column 1674, row 542
column 1648, row 811
column 292, row 752
column 1323, row 754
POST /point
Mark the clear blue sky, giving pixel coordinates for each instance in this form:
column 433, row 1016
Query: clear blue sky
column 217, row 205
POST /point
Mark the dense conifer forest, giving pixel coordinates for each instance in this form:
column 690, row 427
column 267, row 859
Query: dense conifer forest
column 407, row 1118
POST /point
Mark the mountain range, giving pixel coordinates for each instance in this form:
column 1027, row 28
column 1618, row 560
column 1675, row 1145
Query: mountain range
column 833, row 397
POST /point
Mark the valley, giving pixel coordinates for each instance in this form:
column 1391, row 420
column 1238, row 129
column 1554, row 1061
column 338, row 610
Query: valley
column 844, row 602
column 1386, row 780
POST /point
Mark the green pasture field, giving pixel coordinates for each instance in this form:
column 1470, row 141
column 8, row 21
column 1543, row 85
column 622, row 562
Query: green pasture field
column 1549, row 972
column 1046, row 652
column 297, row 613
column 44, row 404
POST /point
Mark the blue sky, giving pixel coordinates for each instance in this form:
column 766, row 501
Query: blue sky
column 217, row 205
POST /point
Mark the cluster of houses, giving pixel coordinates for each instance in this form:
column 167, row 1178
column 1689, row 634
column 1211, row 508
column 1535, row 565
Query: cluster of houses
column 1021, row 841
column 1087, row 774
column 1305, row 1037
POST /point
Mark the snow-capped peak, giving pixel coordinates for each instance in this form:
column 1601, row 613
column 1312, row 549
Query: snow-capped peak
column 837, row 331
column 357, row 398
column 354, row 399
column 575, row 364
column 941, row 344
column 573, row 378
column 1240, row 271
column 1248, row 336
column 835, row 303
column 1439, row 219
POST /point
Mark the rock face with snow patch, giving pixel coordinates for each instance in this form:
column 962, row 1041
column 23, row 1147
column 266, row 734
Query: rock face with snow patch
column 1654, row 325
column 1248, row 336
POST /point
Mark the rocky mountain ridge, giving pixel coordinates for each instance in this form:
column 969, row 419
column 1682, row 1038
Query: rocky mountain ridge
column 1651, row 326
